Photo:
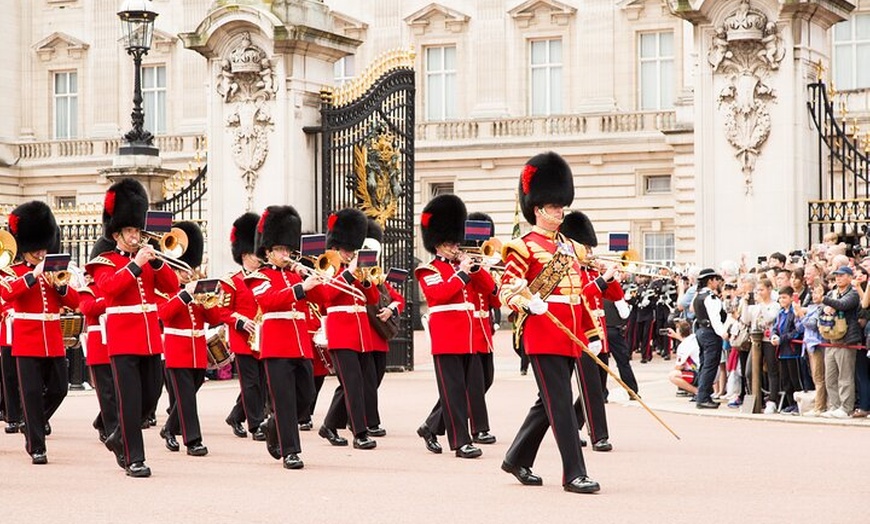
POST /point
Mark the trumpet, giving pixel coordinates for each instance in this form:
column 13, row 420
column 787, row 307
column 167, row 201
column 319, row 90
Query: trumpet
column 57, row 278
column 8, row 248
column 210, row 299
column 172, row 245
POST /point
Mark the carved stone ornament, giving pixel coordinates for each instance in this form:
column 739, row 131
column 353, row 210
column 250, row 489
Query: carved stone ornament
column 377, row 174
column 246, row 82
column 746, row 49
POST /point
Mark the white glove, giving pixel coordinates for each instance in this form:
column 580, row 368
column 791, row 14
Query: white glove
column 537, row 306
column 595, row 347
column 622, row 308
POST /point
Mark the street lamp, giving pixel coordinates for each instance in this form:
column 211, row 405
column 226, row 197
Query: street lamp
column 137, row 21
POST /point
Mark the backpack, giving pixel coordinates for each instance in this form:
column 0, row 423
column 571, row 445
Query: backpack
column 832, row 326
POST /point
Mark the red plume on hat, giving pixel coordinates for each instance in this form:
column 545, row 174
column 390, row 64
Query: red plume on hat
column 425, row 218
column 109, row 202
column 330, row 222
column 13, row 223
column 546, row 179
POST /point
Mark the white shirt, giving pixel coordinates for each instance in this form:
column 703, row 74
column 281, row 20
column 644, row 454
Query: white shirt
column 689, row 349
column 714, row 310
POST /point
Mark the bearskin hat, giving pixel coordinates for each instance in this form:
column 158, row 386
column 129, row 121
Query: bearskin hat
column 546, row 179
column 480, row 217
column 443, row 220
column 375, row 230
column 125, row 205
column 346, row 229
column 33, row 226
column 192, row 256
column 278, row 226
column 577, row 226
column 101, row 246
column 242, row 235
column 54, row 248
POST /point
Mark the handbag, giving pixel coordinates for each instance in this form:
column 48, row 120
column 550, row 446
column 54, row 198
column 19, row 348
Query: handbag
column 833, row 326
column 740, row 336
column 389, row 329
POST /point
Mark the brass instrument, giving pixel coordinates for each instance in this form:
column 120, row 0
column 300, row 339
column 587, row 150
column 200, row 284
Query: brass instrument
column 326, row 268
column 372, row 274
column 8, row 248
column 629, row 261
column 210, row 299
column 487, row 252
column 172, row 245
column 254, row 338
column 57, row 278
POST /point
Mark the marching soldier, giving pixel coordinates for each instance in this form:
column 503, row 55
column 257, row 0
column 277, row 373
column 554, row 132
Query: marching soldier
column 241, row 313
column 36, row 297
column 129, row 277
column 92, row 304
column 589, row 407
column 184, row 320
column 543, row 258
column 8, row 369
column 285, row 346
column 445, row 284
column 348, row 332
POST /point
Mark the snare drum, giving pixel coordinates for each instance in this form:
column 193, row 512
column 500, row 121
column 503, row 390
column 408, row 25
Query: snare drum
column 72, row 326
column 218, row 349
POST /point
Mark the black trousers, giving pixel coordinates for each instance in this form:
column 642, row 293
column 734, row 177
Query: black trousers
column 184, row 415
column 619, row 351
column 451, row 373
column 11, row 395
column 290, row 382
column 710, row 353
column 553, row 408
column 43, row 384
column 375, row 370
column 475, row 380
column 791, row 378
column 104, row 384
column 644, row 336
column 250, row 403
column 306, row 411
column 774, row 386
column 138, row 384
column 591, row 403
column 348, row 401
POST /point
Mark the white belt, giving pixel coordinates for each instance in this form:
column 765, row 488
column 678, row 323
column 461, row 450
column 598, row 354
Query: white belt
column 43, row 317
column 481, row 314
column 463, row 306
column 138, row 308
column 563, row 299
column 94, row 329
column 9, row 315
column 284, row 315
column 193, row 333
column 356, row 308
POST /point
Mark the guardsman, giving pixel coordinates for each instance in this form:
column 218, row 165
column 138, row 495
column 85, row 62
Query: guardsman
column 129, row 277
column 37, row 297
column 348, row 332
column 544, row 261
column 92, row 304
column 241, row 313
column 184, row 316
column 8, row 369
column 449, row 283
column 576, row 226
column 285, row 346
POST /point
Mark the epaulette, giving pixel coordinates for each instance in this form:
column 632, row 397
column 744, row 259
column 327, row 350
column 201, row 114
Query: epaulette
column 228, row 280
column 515, row 244
column 100, row 260
column 7, row 272
column 161, row 294
column 256, row 275
column 87, row 290
column 430, row 267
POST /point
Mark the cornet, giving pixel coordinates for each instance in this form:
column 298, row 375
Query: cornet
column 57, row 278
column 172, row 245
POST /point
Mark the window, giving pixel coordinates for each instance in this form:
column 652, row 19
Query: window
column 545, row 63
column 656, row 66
column 658, row 247
column 154, row 98
column 852, row 53
column 657, row 184
column 440, row 83
column 344, row 70
column 66, row 107
column 440, row 188
column 65, row 201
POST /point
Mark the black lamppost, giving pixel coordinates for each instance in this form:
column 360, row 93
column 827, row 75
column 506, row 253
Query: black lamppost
column 137, row 20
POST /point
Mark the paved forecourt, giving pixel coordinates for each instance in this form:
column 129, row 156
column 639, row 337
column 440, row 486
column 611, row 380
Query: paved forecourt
column 727, row 467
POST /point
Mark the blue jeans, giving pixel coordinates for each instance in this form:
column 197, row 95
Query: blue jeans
column 711, row 353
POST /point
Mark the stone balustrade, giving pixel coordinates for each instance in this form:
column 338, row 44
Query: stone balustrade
column 101, row 147
column 597, row 125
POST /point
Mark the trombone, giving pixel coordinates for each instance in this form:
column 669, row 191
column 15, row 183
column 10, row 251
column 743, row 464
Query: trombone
column 627, row 260
column 326, row 267
column 8, row 249
column 172, row 245
column 485, row 253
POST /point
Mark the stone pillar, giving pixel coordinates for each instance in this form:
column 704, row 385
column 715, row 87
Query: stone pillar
column 754, row 167
column 267, row 62
column 144, row 168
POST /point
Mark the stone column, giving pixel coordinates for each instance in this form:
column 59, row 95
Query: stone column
column 754, row 167
column 267, row 62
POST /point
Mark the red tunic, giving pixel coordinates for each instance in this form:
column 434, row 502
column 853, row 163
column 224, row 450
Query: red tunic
column 320, row 358
column 92, row 304
column 184, row 339
column 596, row 290
column 6, row 276
column 378, row 342
column 36, row 330
column 451, row 310
column 284, row 330
column 481, row 326
column 240, row 308
column 525, row 258
column 347, row 324
column 132, row 326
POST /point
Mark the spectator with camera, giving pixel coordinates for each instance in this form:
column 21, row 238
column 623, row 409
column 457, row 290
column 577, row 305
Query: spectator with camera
column 785, row 330
column 842, row 302
column 685, row 370
column 812, row 348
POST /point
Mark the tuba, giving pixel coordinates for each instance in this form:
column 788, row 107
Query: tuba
column 8, row 249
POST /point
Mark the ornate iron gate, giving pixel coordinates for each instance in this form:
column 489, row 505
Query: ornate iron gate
column 368, row 163
column 844, row 191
